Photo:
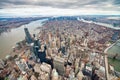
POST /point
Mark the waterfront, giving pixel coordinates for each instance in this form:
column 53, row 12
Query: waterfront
column 102, row 24
column 9, row 39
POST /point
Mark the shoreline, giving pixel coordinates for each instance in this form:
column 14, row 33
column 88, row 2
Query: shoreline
column 33, row 25
column 8, row 25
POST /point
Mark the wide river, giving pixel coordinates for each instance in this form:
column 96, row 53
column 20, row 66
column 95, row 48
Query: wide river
column 9, row 39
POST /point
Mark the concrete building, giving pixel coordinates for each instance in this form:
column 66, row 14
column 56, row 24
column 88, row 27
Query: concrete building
column 59, row 65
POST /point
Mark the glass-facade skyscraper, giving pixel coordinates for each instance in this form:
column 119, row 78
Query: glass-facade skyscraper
column 28, row 36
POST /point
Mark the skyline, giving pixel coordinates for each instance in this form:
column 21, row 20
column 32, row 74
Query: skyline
column 58, row 8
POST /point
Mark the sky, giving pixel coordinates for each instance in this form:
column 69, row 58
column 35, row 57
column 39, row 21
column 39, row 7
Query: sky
column 58, row 7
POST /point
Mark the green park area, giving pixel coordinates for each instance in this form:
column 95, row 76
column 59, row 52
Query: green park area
column 115, row 63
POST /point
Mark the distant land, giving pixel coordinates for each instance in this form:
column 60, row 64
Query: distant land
column 108, row 19
column 8, row 23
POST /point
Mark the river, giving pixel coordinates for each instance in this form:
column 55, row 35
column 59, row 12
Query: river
column 9, row 39
column 98, row 23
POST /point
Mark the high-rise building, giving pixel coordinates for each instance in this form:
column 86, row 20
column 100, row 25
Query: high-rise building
column 37, row 42
column 55, row 75
column 77, row 65
column 80, row 75
column 72, row 75
column 85, row 42
column 49, row 36
column 58, row 42
column 63, row 50
column 42, row 56
column 35, row 50
column 28, row 36
column 59, row 65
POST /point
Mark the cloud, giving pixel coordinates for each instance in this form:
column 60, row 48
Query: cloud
column 55, row 3
column 49, row 11
column 116, row 2
column 112, row 6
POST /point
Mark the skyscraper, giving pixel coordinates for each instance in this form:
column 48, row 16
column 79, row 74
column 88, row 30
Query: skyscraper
column 59, row 65
column 28, row 36
column 37, row 42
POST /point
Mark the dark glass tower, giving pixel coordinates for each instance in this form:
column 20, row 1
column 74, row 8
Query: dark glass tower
column 37, row 43
column 28, row 36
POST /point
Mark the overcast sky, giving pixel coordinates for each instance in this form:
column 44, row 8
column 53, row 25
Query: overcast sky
column 59, row 7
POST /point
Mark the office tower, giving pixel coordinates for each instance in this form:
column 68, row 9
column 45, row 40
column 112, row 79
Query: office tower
column 63, row 49
column 45, row 71
column 72, row 75
column 80, row 75
column 37, row 42
column 58, row 42
column 20, row 44
column 2, row 63
column 28, row 36
column 55, row 75
column 53, row 44
column 59, row 65
column 22, row 66
column 77, row 65
column 37, row 53
column 49, row 51
column 68, row 42
column 37, row 68
column 46, row 68
column 42, row 56
column 85, row 42
column 44, row 76
column 67, row 70
column 34, row 35
column 92, row 31
column 72, row 38
column 49, row 36
column 70, row 58
column 35, row 50
column 33, row 77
